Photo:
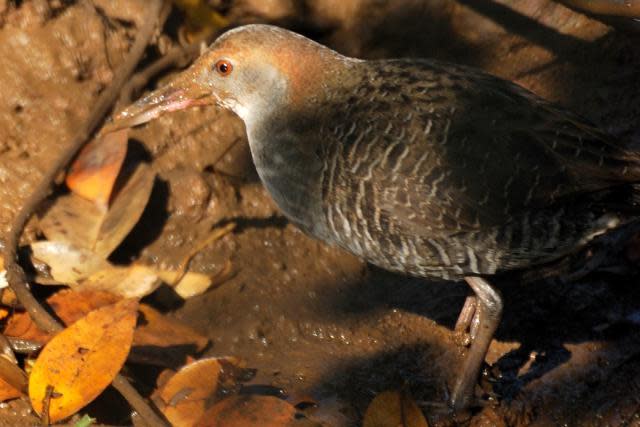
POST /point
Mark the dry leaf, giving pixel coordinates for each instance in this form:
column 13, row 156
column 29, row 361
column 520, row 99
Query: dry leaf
column 82, row 224
column 161, row 341
column 249, row 411
column 191, row 284
column 69, row 264
column 20, row 325
column 95, row 169
column 125, row 211
column 186, row 395
column 7, row 392
column 135, row 281
column 70, row 305
column 73, row 220
column 394, row 409
column 82, row 360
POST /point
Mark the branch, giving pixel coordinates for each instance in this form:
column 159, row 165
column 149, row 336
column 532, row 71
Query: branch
column 15, row 274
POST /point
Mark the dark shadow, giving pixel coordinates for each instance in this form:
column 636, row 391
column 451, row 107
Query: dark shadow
column 530, row 29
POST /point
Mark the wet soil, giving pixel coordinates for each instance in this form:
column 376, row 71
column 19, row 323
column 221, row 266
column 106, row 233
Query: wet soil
column 313, row 319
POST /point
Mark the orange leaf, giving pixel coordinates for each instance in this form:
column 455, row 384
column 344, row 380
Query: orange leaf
column 21, row 326
column 8, row 392
column 394, row 408
column 82, row 360
column 70, row 305
column 249, row 411
column 94, row 172
column 186, row 395
column 162, row 341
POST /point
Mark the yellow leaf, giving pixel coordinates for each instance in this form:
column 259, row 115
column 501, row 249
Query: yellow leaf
column 394, row 409
column 190, row 285
column 82, row 360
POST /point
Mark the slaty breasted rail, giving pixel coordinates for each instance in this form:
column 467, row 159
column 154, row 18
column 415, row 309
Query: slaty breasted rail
column 418, row 166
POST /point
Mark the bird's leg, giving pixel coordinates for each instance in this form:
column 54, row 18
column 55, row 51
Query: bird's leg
column 488, row 311
column 467, row 324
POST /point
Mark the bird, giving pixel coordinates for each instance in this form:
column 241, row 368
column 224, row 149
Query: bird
column 418, row 166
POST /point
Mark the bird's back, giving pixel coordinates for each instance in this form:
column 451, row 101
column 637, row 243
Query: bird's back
column 440, row 170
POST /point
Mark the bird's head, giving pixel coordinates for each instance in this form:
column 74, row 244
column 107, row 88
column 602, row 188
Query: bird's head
column 254, row 70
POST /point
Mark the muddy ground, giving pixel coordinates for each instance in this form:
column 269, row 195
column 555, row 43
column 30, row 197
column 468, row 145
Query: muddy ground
column 312, row 319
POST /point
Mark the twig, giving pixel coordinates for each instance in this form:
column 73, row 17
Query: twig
column 22, row 346
column 46, row 403
column 15, row 274
column 215, row 235
column 13, row 375
column 622, row 8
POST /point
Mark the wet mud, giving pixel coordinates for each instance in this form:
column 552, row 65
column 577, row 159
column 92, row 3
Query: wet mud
column 311, row 319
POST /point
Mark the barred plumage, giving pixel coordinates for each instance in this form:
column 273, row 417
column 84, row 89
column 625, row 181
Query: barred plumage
column 418, row 166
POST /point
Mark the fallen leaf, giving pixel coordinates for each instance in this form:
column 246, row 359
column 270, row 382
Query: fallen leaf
column 135, row 281
column 95, row 169
column 8, row 392
column 125, row 211
column 69, row 264
column 186, row 395
column 394, row 408
column 71, row 305
column 82, row 224
column 83, row 269
column 73, row 220
column 250, row 411
column 161, row 341
column 191, row 284
column 82, row 360
column 13, row 380
column 20, row 325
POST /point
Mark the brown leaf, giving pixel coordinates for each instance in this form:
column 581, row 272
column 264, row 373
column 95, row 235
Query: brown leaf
column 186, row 395
column 82, row 360
column 125, row 211
column 394, row 409
column 7, row 392
column 84, row 225
column 72, row 220
column 95, row 169
column 250, row 411
column 21, row 326
column 161, row 341
column 70, row 305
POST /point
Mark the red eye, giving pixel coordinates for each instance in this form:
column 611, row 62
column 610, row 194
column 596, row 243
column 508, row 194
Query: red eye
column 224, row 67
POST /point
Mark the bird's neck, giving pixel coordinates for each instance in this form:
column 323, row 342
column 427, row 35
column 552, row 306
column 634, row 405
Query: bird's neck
column 291, row 172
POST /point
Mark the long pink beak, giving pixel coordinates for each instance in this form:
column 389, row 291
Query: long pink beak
column 181, row 93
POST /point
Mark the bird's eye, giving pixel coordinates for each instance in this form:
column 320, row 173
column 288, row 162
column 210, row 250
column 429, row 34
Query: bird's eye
column 224, row 67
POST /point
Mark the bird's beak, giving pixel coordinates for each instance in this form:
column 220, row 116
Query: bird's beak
column 181, row 93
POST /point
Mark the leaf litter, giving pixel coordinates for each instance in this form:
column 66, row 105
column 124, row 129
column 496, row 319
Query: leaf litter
column 101, row 309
